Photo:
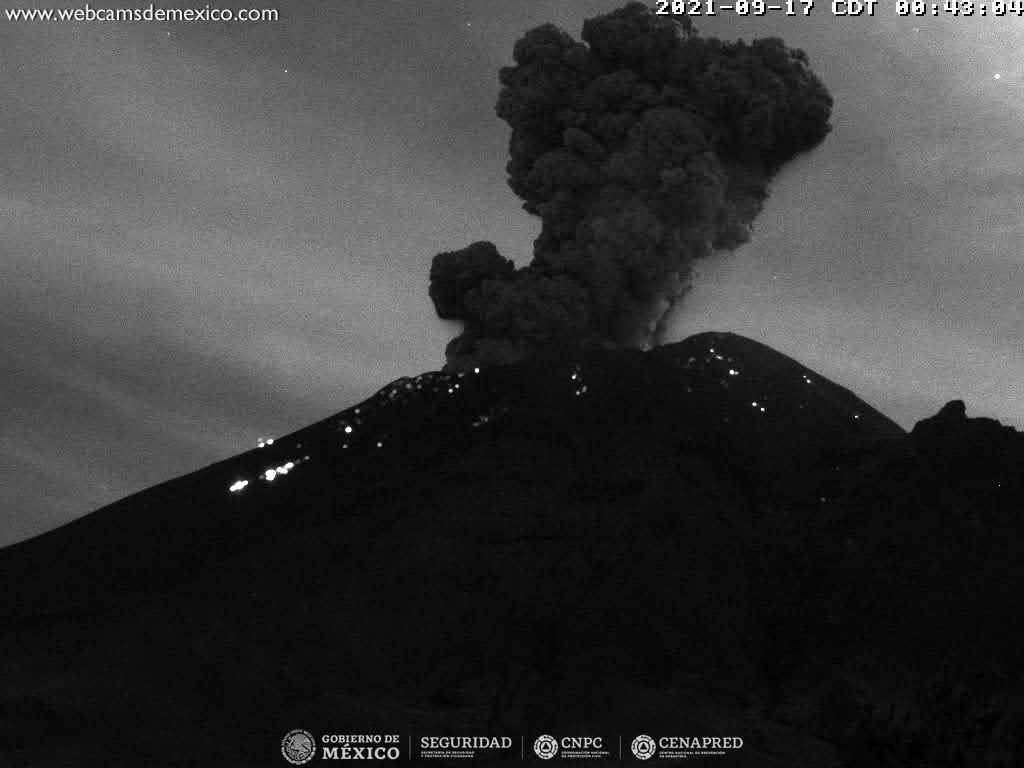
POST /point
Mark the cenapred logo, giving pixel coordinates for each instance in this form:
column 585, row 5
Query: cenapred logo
column 298, row 746
column 546, row 747
column 643, row 747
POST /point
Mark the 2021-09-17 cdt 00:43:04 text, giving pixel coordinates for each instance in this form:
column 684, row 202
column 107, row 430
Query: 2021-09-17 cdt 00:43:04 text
column 761, row 7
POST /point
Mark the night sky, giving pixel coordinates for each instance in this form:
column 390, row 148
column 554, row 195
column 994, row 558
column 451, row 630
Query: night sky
column 215, row 232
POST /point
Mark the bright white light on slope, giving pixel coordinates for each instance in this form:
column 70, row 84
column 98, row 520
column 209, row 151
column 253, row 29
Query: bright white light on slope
column 270, row 474
column 238, row 485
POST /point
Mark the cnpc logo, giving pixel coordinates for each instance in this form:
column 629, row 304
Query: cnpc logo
column 547, row 746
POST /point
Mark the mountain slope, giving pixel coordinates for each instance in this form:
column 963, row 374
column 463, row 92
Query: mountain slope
column 707, row 538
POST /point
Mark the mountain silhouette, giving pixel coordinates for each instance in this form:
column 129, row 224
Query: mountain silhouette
column 707, row 538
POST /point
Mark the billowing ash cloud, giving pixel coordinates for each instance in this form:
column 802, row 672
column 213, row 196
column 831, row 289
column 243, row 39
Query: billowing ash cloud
column 642, row 149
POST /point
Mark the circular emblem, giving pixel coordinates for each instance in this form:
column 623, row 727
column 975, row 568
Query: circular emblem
column 546, row 747
column 298, row 747
column 643, row 746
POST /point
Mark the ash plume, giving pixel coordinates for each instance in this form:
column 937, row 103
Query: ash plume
column 642, row 149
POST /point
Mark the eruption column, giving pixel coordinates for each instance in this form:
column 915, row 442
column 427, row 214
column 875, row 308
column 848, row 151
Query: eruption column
column 642, row 149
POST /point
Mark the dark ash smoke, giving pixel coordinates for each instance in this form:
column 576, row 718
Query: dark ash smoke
column 641, row 151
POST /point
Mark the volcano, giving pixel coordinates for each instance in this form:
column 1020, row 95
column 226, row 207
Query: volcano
column 707, row 538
